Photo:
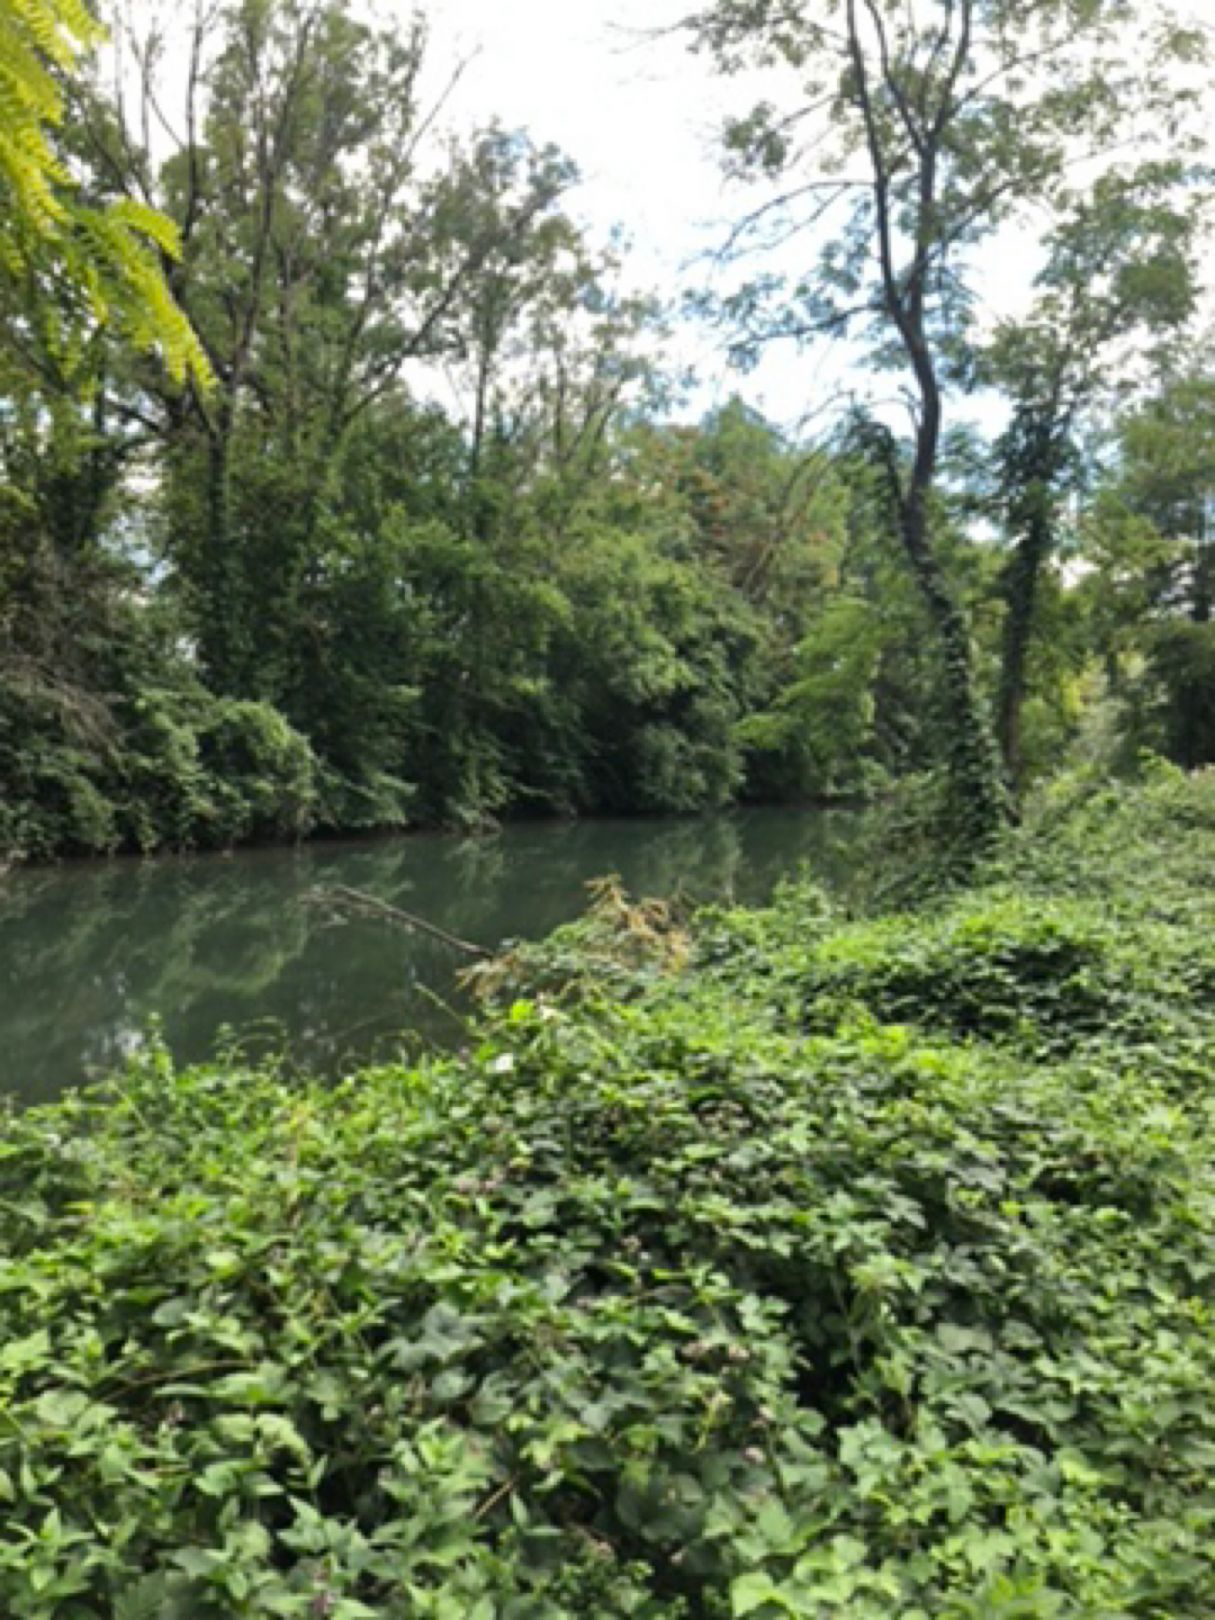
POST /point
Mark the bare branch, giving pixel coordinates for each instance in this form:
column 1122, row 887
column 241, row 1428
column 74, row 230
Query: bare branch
column 750, row 222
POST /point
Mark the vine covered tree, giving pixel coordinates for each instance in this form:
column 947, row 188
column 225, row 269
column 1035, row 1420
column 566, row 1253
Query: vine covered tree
column 922, row 129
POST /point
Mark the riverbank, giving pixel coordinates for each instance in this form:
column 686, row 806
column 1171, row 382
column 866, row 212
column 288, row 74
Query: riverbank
column 771, row 1263
column 330, row 837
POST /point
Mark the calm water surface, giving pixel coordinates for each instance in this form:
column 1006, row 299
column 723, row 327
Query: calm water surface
column 92, row 955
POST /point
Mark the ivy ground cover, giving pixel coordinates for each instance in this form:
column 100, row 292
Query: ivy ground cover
column 785, row 1264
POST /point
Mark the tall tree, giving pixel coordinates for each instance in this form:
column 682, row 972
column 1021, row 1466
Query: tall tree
column 331, row 246
column 1150, row 543
column 1166, row 478
column 928, row 125
column 1121, row 275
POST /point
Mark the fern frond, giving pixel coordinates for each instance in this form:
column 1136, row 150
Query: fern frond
column 111, row 256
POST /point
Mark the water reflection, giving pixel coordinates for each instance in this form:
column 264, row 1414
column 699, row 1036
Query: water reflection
column 89, row 955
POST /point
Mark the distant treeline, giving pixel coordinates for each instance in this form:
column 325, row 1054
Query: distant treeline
column 272, row 587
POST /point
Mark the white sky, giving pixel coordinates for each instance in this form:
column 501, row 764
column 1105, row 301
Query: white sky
column 638, row 114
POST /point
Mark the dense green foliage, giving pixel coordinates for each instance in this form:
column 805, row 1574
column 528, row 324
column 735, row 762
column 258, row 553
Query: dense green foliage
column 801, row 1262
column 311, row 597
column 917, row 133
column 766, row 1264
column 405, row 526
column 76, row 267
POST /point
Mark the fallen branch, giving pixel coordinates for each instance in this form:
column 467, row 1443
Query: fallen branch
column 341, row 899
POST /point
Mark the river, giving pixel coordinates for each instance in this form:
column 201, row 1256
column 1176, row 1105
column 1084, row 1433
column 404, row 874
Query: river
column 224, row 947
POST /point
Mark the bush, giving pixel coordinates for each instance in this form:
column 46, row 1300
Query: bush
column 156, row 763
column 655, row 1304
column 51, row 748
column 264, row 772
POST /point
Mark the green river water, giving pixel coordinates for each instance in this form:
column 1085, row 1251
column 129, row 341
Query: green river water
column 92, row 955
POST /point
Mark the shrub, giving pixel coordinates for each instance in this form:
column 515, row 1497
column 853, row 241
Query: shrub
column 997, row 969
column 263, row 771
column 157, row 764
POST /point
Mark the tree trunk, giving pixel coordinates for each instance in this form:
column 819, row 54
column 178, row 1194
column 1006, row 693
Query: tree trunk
column 977, row 804
column 219, row 615
column 1021, row 580
column 1204, row 581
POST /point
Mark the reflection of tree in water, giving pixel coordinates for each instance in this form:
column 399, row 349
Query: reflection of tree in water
column 90, row 954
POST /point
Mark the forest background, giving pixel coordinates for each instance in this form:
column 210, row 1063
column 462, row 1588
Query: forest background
column 412, row 520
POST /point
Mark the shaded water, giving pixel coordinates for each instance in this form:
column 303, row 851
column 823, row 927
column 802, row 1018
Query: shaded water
column 90, row 954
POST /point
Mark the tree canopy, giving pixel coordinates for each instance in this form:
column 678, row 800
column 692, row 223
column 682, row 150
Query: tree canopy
column 919, row 131
column 347, row 484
